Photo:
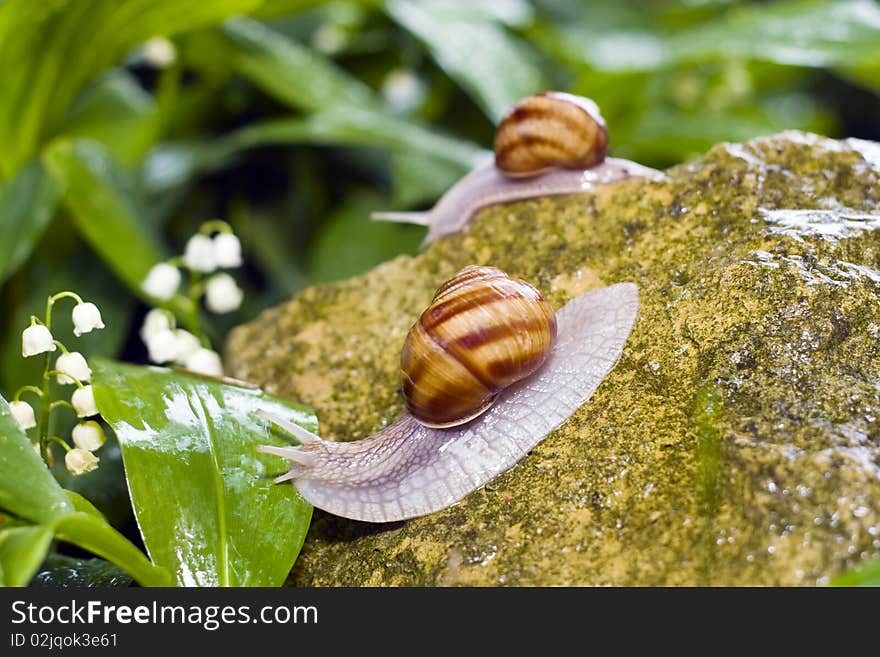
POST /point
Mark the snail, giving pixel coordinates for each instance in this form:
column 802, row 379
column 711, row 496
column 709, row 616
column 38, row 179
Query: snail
column 547, row 144
column 529, row 369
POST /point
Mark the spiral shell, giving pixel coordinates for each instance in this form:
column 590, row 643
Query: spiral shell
column 483, row 331
column 552, row 129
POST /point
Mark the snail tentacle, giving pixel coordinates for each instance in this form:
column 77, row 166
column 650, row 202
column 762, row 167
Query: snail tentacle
column 408, row 469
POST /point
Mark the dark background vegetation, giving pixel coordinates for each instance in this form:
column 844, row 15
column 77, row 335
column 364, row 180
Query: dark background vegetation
column 293, row 119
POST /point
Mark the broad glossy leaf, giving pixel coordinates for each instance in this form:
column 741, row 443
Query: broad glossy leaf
column 27, row 203
column 22, row 550
column 59, row 571
column 495, row 68
column 203, row 497
column 27, row 488
column 49, row 51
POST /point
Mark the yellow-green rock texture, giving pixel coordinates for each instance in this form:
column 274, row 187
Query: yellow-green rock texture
column 737, row 442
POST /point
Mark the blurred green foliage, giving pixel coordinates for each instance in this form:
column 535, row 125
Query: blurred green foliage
column 293, row 119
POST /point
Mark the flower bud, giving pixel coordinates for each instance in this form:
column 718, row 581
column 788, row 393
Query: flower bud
column 36, row 339
column 75, row 365
column 23, row 414
column 162, row 281
column 156, row 321
column 86, row 317
column 80, row 461
column 163, row 346
column 227, row 250
column 199, row 253
column 83, row 400
column 222, row 294
column 88, row 435
column 205, row 361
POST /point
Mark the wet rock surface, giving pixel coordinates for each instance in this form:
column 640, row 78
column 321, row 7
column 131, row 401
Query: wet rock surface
column 737, row 442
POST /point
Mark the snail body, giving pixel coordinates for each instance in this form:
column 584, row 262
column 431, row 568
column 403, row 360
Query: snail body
column 546, row 145
column 483, row 331
column 409, row 469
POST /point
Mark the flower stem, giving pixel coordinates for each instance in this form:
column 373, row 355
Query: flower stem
column 45, row 407
column 56, row 439
column 215, row 226
column 61, row 402
column 50, row 373
column 23, row 389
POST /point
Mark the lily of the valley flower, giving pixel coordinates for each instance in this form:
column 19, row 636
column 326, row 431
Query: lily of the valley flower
column 23, row 414
column 36, row 339
column 162, row 281
column 88, row 435
column 156, row 321
column 187, row 344
column 75, row 365
column 227, row 250
column 204, row 361
column 199, row 254
column 86, row 317
column 222, row 294
column 83, row 400
column 163, row 346
column 80, row 461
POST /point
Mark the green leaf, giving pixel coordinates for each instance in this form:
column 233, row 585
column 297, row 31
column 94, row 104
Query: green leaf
column 359, row 127
column 22, row 550
column 492, row 66
column 59, row 571
column 49, row 51
column 92, row 533
column 350, row 243
column 290, row 71
column 103, row 209
column 27, row 488
column 867, row 574
column 27, row 203
column 117, row 112
column 203, row 497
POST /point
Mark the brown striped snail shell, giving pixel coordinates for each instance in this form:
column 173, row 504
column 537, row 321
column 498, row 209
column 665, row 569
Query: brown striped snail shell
column 552, row 129
column 483, row 331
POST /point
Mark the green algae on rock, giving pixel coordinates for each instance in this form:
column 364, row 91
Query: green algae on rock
column 737, row 441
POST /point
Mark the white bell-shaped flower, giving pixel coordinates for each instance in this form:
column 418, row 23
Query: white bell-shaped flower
column 86, row 317
column 205, row 361
column 36, row 339
column 80, row 461
column 187, row 344
column 156, row 321
column 199, row 253
column 88, row 435
column 222, row 294
column 74, row 364
column 163, row 346
column 227, row 250
column 23, row 414
column 83, row 400
column 162, row 281
column 159, row 52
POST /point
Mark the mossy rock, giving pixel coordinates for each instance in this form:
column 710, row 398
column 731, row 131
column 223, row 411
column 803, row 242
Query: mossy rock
column 737, row 441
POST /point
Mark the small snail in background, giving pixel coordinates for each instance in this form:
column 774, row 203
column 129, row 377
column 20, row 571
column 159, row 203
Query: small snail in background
column 488, row 371
column 547, row 144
